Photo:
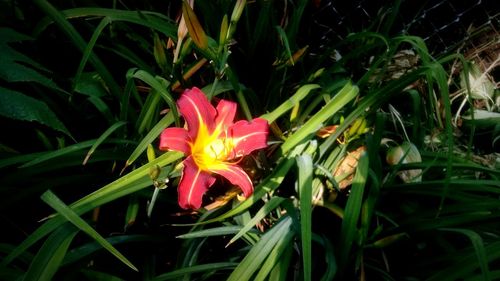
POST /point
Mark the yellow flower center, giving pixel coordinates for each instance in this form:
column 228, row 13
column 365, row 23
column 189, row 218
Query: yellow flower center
column 209, row 151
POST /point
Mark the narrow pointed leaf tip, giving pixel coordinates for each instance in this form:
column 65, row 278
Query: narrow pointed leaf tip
column 213, row 144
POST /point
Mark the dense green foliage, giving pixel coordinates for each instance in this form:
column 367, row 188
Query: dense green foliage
column 367, row 176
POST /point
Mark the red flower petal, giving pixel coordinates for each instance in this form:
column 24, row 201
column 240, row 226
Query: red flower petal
column 226, row 110
column 193, row 184
column 238, row 177
column 196, row 109
column 175, row 139
column 248, row 136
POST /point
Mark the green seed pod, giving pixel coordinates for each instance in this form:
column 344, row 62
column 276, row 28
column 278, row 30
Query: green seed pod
column 154, row 172
column 159, row 52
column 223, row 31
column 151, row 153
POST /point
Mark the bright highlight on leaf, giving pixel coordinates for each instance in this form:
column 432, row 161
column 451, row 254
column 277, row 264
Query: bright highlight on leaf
column 213, row 144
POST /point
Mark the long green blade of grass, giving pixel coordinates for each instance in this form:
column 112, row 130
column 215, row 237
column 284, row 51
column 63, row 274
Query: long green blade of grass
column 266, row 209
column 349, row 228
column 477, row 243
column 102, row 138
column 331, row 262
column 80, row 43
column 160, row 85
column 60, row 152
column 48, row 259
column 301, row 93
column 274, row 257
column 216, row 231
column 87, row 52
column 151, row 136
column 88, row 249
column 284, row 40
column 339, row 100
column 53, row 201
column 465, row 266
column 153, row 20
column 373, row 100
column 256, row 256
column 280, row 269
column 129, row 183
column 305, row 167
column 195, row 269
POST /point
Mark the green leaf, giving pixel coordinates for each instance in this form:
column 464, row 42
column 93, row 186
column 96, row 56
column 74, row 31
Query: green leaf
column 15, row 66
column 281, row 268
column 301, row 93
column 281, row 248
column 284, row 40
column 91, row 85
column 48, row 259
column 18, row 106
column 261, row 214
column 216, row 231
column 194, row 269
column 373, row 100
column 150, row 138
column 256, row 256
column 102, row 138
column 99, row 276
column 53, row 201
column 466, row 265
column 339, row 100
column 160, row 85
column 477, row 243
column 79, row 43
column 331, row 263
column 85, row 251
column 349, row 228
column 87, row 52
column 127, row 184
column 305, row 166
column 60, row 152
column 156, row 21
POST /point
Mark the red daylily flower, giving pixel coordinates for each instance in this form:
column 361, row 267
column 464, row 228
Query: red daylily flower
column 213, row 144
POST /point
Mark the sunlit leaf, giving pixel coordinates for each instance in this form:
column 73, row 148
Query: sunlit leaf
column 260, row 251
column 305, row 166
column 52, row 200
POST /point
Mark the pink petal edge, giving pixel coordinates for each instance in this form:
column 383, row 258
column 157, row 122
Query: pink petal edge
column 193, row 184
column 237, row 176
column 249, row 136
column 196, row 109
column 175, row 139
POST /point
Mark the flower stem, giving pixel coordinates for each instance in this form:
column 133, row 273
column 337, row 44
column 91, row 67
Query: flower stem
column 153, row 200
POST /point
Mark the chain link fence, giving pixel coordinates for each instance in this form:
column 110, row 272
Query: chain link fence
column 444, row 24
